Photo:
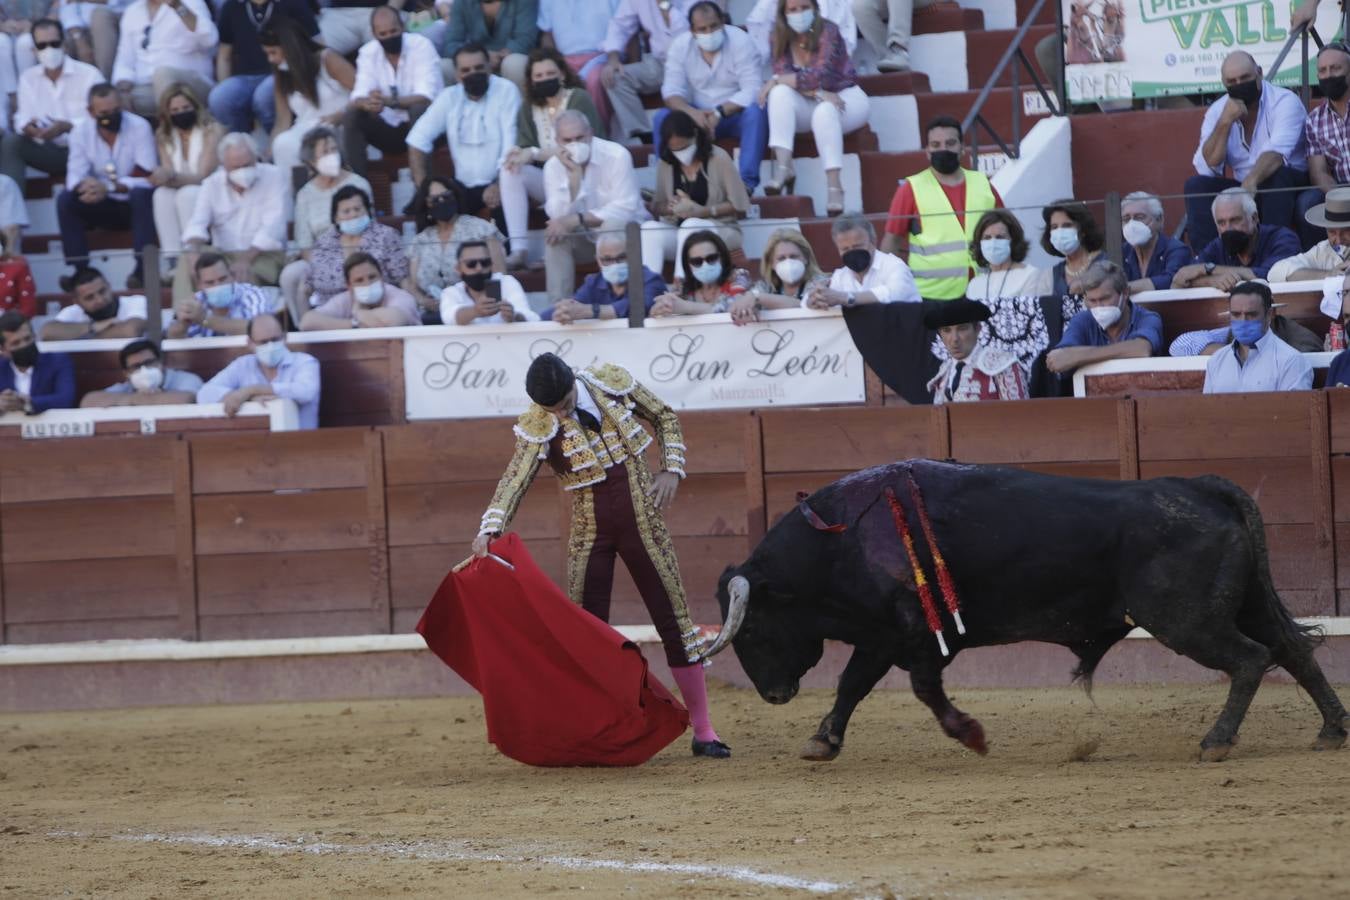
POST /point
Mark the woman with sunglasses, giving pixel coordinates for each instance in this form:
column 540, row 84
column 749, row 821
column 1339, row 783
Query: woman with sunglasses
column 442, row 226
column 788, row 273
column 186, row 137
column 710, row 283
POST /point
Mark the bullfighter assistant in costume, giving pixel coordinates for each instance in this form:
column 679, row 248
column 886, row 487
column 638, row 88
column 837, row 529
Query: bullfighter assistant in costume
column 585, row 426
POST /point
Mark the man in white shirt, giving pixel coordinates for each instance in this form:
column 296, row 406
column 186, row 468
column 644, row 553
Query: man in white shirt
column 96, row 313
column 589, row 188
column 241, row 212
column 1256, row 360
column 477, row 116
column 112, row 153
column 713, row 73
column 270, row 371
column 887, row 26
column 397, row 76
column 1325, row 258
column 662, row 21
column 1257, row 130
column 482, row 297
column 868, row 275
column 164, row 42
column 53, row 99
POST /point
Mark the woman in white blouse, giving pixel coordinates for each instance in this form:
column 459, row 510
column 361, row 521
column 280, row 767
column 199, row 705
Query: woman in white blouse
column 312, row 85
column 186, row 139
column 999, row 248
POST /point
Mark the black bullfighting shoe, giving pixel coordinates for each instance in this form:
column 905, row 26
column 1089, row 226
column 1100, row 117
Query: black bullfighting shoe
column 712, row 749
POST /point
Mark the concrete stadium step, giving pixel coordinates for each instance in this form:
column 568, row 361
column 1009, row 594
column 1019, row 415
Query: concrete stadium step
column 946, row 16
column 983, row 49
column 997, row 109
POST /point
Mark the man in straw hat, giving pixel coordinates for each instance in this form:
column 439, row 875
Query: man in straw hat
column 1329, row 257
column 971, row 372
column 584, row 425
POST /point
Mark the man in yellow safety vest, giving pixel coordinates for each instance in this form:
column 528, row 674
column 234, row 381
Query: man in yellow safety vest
column 935, row 213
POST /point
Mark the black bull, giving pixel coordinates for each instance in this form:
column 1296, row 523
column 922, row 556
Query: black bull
column 1034, row 557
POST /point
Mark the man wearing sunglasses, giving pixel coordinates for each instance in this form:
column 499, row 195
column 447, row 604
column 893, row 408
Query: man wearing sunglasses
column 483, row 297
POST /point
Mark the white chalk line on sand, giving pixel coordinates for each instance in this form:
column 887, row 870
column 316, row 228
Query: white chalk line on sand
column 460, row 851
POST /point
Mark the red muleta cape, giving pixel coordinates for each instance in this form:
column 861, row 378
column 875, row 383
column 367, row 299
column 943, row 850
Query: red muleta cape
column 560, row 687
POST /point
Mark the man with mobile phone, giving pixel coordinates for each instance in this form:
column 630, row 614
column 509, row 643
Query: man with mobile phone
column 483, row 297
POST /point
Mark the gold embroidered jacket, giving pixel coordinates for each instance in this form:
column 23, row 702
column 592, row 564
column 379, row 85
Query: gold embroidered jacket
column 578, row 459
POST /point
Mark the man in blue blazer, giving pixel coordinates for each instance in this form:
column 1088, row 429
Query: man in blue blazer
column 31, row 381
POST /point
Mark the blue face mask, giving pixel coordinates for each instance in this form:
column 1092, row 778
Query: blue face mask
column 707, row 273
column 354, row 226
column 1248, row 331
column 220, row 296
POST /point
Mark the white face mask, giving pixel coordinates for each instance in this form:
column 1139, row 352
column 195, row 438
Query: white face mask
column 244, row 177
column 1137, row 233
column 801, row 22
column 147, row 379
column 790, row 270
column 1065, row 240
column 328, row 165
column 996, row 251
column 369, row 294
column 51, row 57
column 1106, row 316
column 580, row 151
column 685, row 156
column 712, row 42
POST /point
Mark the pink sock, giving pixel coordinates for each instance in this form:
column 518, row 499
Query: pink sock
column 694, row 690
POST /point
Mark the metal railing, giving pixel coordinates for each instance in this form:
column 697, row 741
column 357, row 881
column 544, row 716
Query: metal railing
column 1299, row 35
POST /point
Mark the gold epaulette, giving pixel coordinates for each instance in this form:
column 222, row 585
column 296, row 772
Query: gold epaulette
column 536, row 425
column 609, row 378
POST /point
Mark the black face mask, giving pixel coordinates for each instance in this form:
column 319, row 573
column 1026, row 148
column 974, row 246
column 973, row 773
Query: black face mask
column 106, row 311
column 184, row 120
column 1333, row 88
column 945, row 161
column 25, row 357
column 1246, row 91
column 444, row 208
column 111, row 122
column 542, row 90
column 475, row 84
column 477, row 280
column 392, row 45
column 858, row 260
column 1234, row 241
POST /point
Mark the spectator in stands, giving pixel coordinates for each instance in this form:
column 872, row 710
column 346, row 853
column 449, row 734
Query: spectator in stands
column 1245, row 248
column 577, row 29
column 477, row 116
column 311, row 90
column 1328, row 142
column 1256, row 360
column 96, row 313
column 1070, row 232
column 868, row 275
column 713, row 282
column 1152, row 258
column 370, row 301
column 186, row 138
column 91, row 31
column 999, row 248
column 971, row 373
column 1257, row 131
column 353, row 231
column 155, row 51
column 1206, row 341
column 13, row 219
column 397, row 77
column 603, row 295
column 713, row 74
column 507, row 29
column 147, row 382
column 588, row 189
column 244, row 95
column 241, row 211
column 102, row 187
column 17, row 290
column 17, row 52
column 442, row 226
column 759, row 24
column 33, row 381
column 552, row 88
column 814, row 88
column 1330, row 256
column 1111, row 326
column 481, row 296
column 886, row 25
column 222, row 304
column 1334, row 307
column 788, row 273
column 53, row 98
column 660, row 21
column 697, row 189
column 270, row 371
column 345, row 25
column 921, row 215
column 320, row 152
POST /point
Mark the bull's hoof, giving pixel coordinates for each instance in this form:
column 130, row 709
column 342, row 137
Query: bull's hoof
column 971, row 734
column 1329, row 742
column 1215, row 752
column 819, row 749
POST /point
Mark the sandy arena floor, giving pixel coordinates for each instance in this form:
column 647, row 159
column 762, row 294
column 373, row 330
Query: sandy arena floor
column 407, row 798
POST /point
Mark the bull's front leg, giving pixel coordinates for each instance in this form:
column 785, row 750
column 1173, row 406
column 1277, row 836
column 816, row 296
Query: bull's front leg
column 865, row 668
column 926, row 679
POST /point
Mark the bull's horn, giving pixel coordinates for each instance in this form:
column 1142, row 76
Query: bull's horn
column 739, row 589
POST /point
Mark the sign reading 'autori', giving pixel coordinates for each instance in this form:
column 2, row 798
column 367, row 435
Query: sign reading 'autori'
column 701, row 362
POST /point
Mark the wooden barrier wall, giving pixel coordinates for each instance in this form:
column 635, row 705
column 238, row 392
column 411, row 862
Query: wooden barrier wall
column 348, row 531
